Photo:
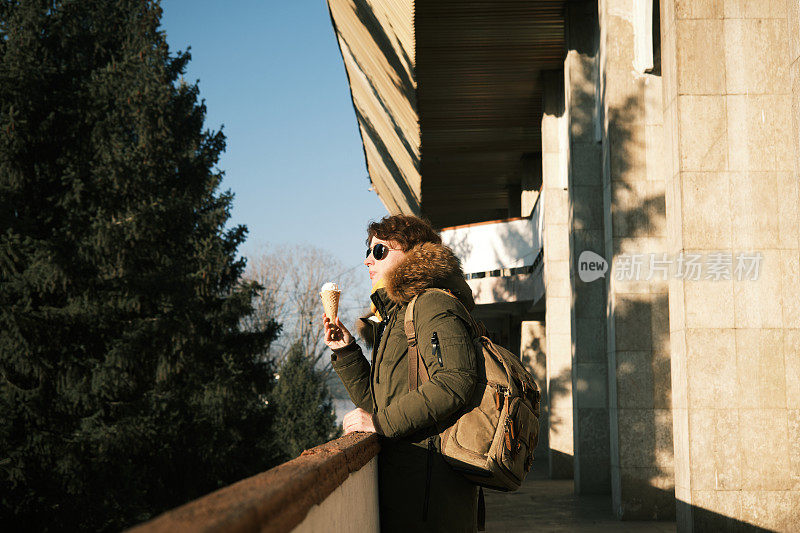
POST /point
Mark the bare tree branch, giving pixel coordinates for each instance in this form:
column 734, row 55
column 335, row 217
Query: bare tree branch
column 291, row 277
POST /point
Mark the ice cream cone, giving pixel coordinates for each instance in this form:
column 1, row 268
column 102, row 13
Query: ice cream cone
column 330, row 301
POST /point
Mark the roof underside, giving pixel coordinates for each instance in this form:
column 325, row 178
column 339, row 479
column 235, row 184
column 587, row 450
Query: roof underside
column 448, row 99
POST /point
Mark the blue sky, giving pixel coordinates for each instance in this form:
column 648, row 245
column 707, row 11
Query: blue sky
column 271, row 72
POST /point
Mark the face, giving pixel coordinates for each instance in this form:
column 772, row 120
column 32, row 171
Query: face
column 378, row 269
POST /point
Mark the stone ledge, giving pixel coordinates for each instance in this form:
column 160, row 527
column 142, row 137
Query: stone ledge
column 275, row 500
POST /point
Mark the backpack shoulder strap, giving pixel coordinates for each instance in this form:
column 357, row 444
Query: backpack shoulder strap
column 417, row 372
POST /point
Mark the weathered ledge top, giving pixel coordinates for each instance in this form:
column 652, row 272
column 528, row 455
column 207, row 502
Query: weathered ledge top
column 275, row 500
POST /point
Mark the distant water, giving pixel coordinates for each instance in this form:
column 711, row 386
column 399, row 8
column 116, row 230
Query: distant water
column 342, row 406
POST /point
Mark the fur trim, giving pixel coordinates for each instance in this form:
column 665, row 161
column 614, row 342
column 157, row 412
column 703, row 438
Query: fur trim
column 425, row 265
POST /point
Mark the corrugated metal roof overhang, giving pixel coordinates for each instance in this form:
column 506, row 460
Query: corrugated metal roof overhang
column 448, row 98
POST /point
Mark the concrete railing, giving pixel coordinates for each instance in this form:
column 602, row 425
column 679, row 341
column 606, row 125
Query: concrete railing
column 333, row 487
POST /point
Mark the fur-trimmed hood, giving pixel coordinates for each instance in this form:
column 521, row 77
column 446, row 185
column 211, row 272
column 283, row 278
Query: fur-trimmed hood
column 428, row 265
column 425, row 266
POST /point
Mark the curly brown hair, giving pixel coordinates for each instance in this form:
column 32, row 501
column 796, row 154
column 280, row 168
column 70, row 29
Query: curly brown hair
column 406, row 230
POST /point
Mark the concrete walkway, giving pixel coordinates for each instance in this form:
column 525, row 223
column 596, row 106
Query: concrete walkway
column 545, row 505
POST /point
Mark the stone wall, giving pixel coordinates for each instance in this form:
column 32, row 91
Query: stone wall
column 642, row 473
column 533, row 343
column 732, row 187
column 589, row 366
column 558, row 290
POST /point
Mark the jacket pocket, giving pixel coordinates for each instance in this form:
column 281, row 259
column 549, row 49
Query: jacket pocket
column 392, row 369
column 393, row 355
column 452, row 351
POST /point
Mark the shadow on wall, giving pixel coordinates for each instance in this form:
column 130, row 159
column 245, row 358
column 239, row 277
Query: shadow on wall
column 534, row 357
column 641, row 327
column 520, row 288
column 639, row 207
column 460, row 246
column 637, row 393
column 559, row 387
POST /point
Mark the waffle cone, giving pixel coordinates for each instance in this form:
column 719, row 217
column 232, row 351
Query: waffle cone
column 330, row 301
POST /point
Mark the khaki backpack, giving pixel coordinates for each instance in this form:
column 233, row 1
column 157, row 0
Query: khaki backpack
column 492, row 443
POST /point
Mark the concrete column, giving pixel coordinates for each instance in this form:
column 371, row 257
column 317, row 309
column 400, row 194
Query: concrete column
column 533, row 343
column 558, row 291
column 730, row 78
column 642, row 464
column 589, row 366
column 794, row 61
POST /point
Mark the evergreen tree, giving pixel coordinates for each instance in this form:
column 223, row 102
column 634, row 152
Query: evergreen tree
column 126, row 384
column 305, row 415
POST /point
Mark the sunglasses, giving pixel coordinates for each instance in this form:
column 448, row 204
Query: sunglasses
column 379, row 251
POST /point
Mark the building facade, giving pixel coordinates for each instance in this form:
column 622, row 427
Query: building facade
column 620, row 181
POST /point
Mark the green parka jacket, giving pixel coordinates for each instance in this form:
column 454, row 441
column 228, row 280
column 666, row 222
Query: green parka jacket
column 418, row 491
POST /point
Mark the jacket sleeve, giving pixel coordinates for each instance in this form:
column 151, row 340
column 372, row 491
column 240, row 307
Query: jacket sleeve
column 451, row 384
column 353, row 369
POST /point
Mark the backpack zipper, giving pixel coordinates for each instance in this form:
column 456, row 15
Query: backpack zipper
column 501, row 393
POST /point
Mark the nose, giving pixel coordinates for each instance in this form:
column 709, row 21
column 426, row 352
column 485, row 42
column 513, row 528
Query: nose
column 369, row 260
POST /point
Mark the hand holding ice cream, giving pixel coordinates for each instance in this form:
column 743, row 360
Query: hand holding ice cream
column 336, row 335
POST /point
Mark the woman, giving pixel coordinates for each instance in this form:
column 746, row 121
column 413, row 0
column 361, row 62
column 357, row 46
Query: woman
column 418, row 490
